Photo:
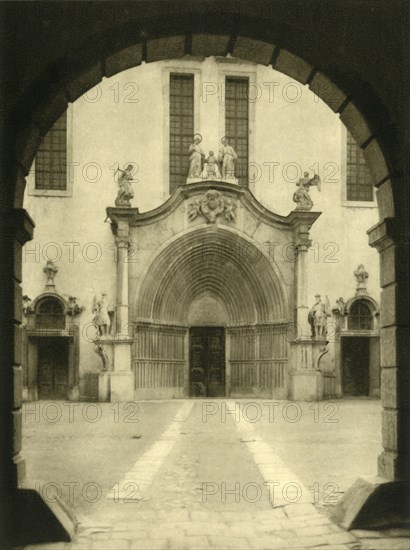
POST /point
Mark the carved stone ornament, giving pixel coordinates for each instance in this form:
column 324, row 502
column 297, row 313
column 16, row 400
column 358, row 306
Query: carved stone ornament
column 73, row 307
column 99, row 350
column 361, row 276
column 211, row 206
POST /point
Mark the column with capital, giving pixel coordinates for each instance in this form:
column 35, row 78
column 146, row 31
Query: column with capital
column 306, row 380
column 122, row 376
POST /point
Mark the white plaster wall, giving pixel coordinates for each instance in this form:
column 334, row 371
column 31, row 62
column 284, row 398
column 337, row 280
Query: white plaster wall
column 122, row 120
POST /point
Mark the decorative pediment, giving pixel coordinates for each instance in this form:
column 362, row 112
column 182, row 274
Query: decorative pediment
column 211, row 206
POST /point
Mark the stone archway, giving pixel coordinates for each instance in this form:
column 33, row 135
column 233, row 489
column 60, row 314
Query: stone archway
column 372, row 134
column 251, row 308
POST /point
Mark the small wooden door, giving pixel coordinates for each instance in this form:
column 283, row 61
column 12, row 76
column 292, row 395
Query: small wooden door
column 356, row 365
column 52, row 368
column 207, row 362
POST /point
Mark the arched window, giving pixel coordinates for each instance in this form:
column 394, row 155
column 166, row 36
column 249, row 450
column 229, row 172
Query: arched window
column 50, row 314
column 360, row 316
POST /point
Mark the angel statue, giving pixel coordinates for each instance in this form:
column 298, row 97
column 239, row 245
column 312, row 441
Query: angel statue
column 301, row 195
column 101, row 318
column 125, row 190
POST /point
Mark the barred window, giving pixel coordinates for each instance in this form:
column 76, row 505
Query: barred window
column 360, row 317
column 51, row 158
column 237, row 122
column 181, row 127
column 50, row 314
column 359, row 180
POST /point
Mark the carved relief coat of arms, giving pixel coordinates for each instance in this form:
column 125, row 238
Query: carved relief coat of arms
column 212, row 205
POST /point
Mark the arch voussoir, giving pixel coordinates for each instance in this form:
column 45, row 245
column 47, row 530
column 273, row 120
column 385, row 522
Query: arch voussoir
column 171, row 47
column 123, row 60
column 210, row 44
column 293, row 66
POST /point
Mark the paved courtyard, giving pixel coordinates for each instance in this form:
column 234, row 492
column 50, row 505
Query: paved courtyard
column 189, row 474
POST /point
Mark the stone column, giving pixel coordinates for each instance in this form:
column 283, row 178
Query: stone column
column 394, row 461
column 18, row 502
column 122, row 377
column 16, row 229
column 306, row 381
column 383, row 501
column 121, row 309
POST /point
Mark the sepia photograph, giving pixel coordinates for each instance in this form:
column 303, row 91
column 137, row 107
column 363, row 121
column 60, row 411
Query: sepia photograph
column 205, row 301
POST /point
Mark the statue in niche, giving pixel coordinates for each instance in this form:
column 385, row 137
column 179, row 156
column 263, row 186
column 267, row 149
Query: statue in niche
column 125, row 190
column 211, row 170
column 196, row 157
column 301, row 196
column 101, row 318
column 50, row 270
column 99, row 349
column 227, row 157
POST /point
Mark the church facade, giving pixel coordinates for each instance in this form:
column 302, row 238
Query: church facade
column 201, row 232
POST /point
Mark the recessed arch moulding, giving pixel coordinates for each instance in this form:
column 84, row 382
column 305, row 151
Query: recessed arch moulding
column 239, row 256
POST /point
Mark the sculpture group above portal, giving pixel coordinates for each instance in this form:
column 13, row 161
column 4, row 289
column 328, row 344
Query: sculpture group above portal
column 211, row 168
column 125, row 190
column 196, row 158
column 212, row 205
column 227, row 157
column 301, row 196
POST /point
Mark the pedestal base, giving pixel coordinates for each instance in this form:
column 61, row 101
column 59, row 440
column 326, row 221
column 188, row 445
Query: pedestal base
column 306, row 386
column 104, row 386
column 374, row 503
column 122, row 386
column 74, row 394
column 44, row 521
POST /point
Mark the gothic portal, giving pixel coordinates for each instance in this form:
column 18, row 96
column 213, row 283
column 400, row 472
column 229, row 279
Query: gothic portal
column 211, row 304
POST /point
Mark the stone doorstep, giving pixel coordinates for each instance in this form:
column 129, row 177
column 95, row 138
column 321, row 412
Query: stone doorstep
column 388, row 533
column 226, row 543
column 386, row 544
column 300, row 510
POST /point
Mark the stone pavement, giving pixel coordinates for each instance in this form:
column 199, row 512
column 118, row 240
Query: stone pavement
column 210, row 484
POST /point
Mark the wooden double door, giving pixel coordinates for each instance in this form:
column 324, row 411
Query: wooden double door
column 207, row 362
column 52, row 381
column 355, row 365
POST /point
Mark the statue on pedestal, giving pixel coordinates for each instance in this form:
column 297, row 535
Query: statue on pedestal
column 317, row 318
column 361, row 276
column 320, row 322
column 50, row 270
column 101, row 318
column 211, row 170
column 125, row 190
column 196, row 157
column 301, row 196
column 227, row 157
